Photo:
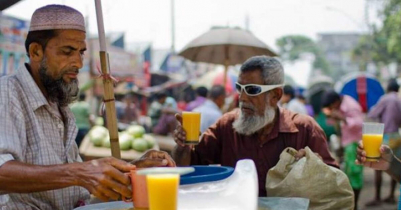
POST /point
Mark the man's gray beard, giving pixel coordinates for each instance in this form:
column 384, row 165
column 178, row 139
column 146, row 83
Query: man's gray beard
column 248, row 125
column 58, row 90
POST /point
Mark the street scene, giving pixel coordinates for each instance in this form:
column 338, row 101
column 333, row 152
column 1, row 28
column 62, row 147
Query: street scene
column 200, row 105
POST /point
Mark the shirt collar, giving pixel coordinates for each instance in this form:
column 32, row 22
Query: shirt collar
column 34, row 94
column 286, row 121
column 283, row 124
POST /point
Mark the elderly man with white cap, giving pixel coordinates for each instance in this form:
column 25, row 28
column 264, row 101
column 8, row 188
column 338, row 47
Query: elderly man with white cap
column 40, row 166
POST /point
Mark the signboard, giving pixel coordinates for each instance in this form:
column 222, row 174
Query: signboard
column 13, row 32
column 122, row 63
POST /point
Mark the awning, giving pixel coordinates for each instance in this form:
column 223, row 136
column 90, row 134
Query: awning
column 4, row 4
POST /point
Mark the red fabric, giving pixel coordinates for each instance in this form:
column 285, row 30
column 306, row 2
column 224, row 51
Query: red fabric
column 221, row 144
column 144, row 106
column 146, row 72
column 181, row 105
column 361, row 89
column 219, row 80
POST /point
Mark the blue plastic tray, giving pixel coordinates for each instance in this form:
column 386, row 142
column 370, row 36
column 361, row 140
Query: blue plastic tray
column 206, row 174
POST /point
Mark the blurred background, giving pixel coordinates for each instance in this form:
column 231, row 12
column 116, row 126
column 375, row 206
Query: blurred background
column 323, row 44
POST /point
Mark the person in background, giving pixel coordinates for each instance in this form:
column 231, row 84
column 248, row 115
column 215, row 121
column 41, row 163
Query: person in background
column 308, row 107
column 211, row 109
column 131, row 111
column 388, row 111
column 288, row 94
column 234, row 103
column 119, row 109
column 2, row 72
column 181, row 105
column 348, row 113
column 166, row 122
column 290, row 102
column 83, row 117
column 170, row 103
column 155, row 110
column 201, row 94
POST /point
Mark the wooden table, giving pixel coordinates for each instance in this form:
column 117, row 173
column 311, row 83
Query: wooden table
column 89, row 152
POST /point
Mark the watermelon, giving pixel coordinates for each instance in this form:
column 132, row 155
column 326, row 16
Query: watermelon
column 136, row 131
column 106, row 142
column 97, row 135
column 140, row 145
column 125, row 141
column 99, row 121
column 150, row 140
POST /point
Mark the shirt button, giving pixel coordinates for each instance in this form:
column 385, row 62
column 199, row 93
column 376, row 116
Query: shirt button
column 60, row 126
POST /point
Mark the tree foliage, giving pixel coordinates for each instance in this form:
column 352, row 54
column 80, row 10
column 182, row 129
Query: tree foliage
column 291, row 47
column 383, row 45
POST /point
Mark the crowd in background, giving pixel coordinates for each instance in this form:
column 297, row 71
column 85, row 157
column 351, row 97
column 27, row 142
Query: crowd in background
column 340, row 117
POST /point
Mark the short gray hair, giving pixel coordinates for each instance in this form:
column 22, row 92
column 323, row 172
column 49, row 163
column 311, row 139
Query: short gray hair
column 272, row 70
column 216, row 91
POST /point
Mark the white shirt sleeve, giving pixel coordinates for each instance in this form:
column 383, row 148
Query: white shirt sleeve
column 296, row 106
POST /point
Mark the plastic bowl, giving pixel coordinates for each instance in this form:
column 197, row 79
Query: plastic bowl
column 206, row 174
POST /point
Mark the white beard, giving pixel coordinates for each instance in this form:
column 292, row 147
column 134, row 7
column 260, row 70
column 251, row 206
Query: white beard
column 248, row 125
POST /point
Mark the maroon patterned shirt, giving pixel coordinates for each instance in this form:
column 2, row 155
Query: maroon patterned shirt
column 221, row 144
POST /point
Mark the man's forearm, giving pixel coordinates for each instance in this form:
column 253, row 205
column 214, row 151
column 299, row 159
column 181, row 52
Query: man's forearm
column 395, row 169
column 182, row 155
column 17, row 177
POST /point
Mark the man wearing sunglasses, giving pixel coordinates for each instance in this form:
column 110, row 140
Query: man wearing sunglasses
column 258, row 130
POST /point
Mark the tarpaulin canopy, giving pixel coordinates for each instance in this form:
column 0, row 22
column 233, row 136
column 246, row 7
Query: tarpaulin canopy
column 363, row 87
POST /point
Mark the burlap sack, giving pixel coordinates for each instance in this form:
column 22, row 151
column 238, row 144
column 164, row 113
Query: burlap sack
column 326, row 187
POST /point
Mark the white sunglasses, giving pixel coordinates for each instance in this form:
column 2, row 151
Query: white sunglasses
column 254, row 90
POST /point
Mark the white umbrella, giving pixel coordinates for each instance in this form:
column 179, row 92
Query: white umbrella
column 225, row 46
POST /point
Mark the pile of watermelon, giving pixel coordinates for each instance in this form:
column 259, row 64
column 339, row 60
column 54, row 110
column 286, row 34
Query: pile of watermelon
column 132, row 138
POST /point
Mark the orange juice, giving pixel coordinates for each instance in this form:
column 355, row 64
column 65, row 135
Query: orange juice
column 162, row 191
column 191, row 123
column 371, row 145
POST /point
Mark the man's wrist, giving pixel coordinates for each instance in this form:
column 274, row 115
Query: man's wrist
column 183, row 148
column 182, row 155
column 74, row 170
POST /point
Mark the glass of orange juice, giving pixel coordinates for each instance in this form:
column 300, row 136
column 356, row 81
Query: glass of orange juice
column 191, row 122
column 372, row 138
column 163, row 191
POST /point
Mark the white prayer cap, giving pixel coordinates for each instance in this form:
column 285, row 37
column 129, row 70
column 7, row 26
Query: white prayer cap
column 53, row 17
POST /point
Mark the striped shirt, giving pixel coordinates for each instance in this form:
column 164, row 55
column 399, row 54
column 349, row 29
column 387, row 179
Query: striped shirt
column 32, row 132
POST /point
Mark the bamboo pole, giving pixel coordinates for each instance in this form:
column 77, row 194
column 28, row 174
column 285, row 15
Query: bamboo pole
column 108, row 85
column 226, row 64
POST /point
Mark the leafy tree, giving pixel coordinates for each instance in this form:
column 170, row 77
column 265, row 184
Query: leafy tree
column 291, row 47
column 383, row 45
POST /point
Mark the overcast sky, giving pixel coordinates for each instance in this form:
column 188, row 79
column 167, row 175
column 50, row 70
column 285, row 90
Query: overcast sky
column 150, row 20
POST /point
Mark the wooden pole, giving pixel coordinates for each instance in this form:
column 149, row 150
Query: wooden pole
column 108, row 85
column 225, row 73
column 226, row 64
